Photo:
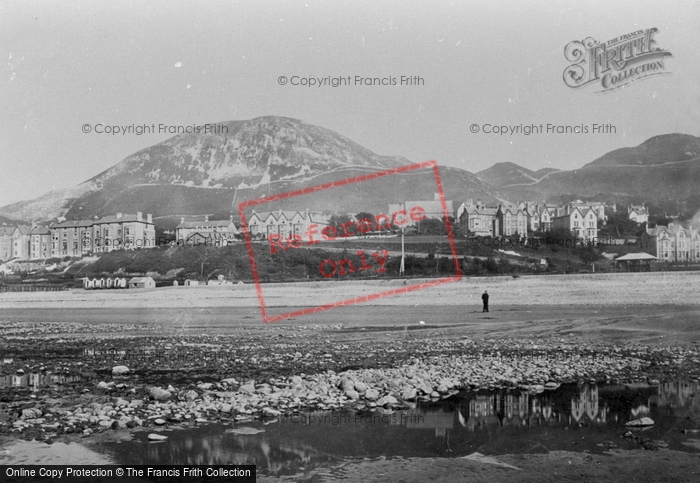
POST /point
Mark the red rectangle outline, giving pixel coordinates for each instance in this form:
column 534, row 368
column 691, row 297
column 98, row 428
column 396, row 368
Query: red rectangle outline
column 366, row 298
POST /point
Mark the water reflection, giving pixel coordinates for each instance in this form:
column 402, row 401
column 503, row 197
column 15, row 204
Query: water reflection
column 37, row 380
column 491, row 423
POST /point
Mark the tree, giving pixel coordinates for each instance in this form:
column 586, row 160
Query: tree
column 371, row 222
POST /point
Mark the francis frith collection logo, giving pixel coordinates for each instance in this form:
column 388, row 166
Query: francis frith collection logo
column 615, row 63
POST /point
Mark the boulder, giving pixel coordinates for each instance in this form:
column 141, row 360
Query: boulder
column 120, row 370
column 156, row 437
column 641, row 422
column 160, row 394
column 387, row 401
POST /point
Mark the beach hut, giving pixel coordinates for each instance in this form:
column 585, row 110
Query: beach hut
column 122, row 283
column 87, row 283
column 109, row 283
column 142, row 282
column 191, row 283
column 175, row 283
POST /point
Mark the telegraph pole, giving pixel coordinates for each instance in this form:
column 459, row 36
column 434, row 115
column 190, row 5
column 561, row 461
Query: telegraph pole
column 402, row 268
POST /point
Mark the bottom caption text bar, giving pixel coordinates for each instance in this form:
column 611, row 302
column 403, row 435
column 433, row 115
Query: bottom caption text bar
column 124, row 474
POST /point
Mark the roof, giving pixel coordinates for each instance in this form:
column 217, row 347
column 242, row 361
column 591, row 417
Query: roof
column 635, row 256
column 73, row 224
column 206, row 224
column 141, row 280
column 40, row 230
column 264, row 215
column 124, row 218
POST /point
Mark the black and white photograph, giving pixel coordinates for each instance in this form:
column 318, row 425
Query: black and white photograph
column 371, row 241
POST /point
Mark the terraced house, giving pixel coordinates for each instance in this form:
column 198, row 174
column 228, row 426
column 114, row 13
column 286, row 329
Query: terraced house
column 205, row 232
column 284, row 223
column 77, row 238
column 672, row 243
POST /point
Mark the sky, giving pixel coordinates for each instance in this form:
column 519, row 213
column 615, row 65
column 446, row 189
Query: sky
column 182, row 63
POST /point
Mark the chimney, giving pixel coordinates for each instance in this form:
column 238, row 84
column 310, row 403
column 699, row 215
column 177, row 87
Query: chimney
column 119, row 215
column 149, row 218
column 139, row 215
column 206, row 218
column 182, row 219
column 231, row 218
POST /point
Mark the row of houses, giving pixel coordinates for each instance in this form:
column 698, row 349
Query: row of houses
column 266, row 223
column 672, row 243
column 77, row 238
column 580, row 218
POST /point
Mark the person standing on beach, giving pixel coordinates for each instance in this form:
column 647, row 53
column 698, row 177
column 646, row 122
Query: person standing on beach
column 485, row 298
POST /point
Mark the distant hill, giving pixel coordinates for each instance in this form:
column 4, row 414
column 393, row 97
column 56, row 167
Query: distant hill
column 663, row 167
column 194, row 174
column 667, row 148
column 506, row 174
column 212, row 173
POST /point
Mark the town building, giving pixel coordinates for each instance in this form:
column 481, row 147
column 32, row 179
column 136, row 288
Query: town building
column 431, row 208
column 580, row 222
column 672, row 243
column 123, row 231
column 14, row 242
column 204, row 231
column 638, row 213
column 284, row 223
column 510, row 220
column 73, row 238
column 476, row 219
column 39, row 243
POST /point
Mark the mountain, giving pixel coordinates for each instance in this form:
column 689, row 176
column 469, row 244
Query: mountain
column 659, row 150
column 212, row 172
column 505, row 174
column 663, row 167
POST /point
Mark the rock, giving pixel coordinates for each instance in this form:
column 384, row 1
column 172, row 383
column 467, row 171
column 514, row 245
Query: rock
column 226, row 408
column 105, row 385
column 360, row 387
column 205, row 386
column 352, row 394
column 550, row 386
column 230, row 381
column 159, row 422
column 641, row 422
column 247, row 388
column 156, row 437
column 191, row 395
column 160, row 394
column 270, row 412
column 31, row 413
column 120, row 370
column 387, row 401
column 371, row 394
column 409, row 394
